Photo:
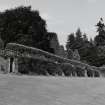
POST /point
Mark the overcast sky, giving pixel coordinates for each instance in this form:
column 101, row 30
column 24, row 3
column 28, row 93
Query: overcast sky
column 65, row 16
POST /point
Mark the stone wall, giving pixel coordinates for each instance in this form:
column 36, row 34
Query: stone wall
column 15, row 51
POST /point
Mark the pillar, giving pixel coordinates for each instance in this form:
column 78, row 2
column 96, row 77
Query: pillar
column 85, row 73
column 71, row 74
column 93, row 73
column 12, row 65
column 75, row 74
column 8, row 65
column 100, row 74
column 15, row 65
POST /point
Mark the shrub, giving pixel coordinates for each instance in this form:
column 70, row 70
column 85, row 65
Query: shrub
column 67, row 69
column 27, row 66
column 80, row 71
column 53, row 69
column 90, row 72
column 38, row 66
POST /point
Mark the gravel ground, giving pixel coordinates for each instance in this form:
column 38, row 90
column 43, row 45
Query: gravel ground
column 40, row 90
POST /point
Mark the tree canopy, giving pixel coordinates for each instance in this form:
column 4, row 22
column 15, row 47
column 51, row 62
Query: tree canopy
column 24, row 26
column 100, row 38
column 86, row 48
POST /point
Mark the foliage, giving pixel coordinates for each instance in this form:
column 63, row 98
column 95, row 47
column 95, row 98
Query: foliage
column 68, row 69
column 76, row 55
column 100, row 38
column 80, row 71
column 75, row 41
column 27, row 66
column 71, row 42
column 91, row 52
column 1, row 44
column 25, row 26
column 38, row 67
column 79, row 41
column 69, row 53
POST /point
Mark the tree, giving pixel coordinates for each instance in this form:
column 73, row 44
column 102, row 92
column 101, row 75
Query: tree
column 86, row 49
column 100, row 38
column 70, row 45
column 74, row 42
column 70, row 53
column 92, row 41
column 85, row 38
column 76, row 55
column 25, row 26
column 71, row 42
column 79, row 39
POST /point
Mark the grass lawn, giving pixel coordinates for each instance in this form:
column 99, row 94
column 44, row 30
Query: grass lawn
column 40, row 90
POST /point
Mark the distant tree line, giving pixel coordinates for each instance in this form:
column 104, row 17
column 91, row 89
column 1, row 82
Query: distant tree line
column 91, row 51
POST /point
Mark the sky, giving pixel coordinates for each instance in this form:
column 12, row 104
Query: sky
column 65, row 16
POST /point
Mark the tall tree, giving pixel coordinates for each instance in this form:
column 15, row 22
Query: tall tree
column 85, row 38
column 75, row 41
column 100, row 38
column 25, row 26
column 79, row 39
column 71, row 42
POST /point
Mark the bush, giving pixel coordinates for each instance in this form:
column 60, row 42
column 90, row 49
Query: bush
column 68, row 69
column 31, row 66
column 80, row 71
column 53, row 69
column 96, row 74
column 38, row 66
column 23, row 65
